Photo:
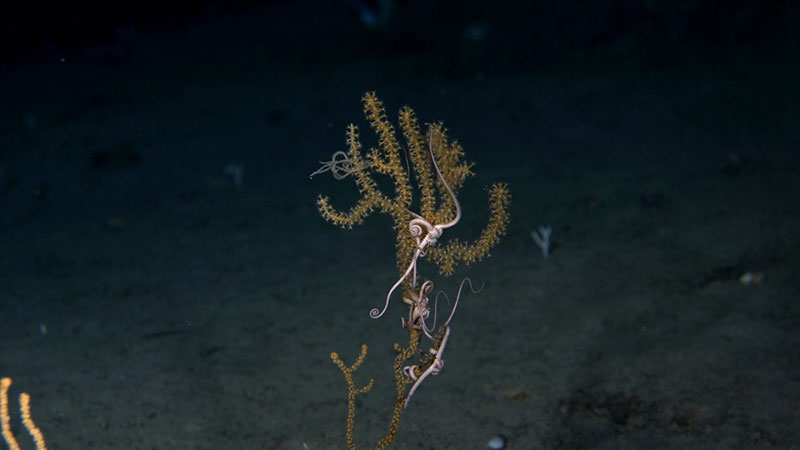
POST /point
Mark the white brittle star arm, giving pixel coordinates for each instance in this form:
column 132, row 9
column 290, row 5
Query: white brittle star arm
column 375, row 313
column 436, row 366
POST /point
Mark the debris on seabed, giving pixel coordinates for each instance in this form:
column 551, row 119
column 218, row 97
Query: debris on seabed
column 751, row 277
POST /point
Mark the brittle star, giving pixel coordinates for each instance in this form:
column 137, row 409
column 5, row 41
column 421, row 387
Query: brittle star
column 340, row 166
column 416, row 227
column 437, row 364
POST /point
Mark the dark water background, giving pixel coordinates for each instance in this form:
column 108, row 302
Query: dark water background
column 147, row 302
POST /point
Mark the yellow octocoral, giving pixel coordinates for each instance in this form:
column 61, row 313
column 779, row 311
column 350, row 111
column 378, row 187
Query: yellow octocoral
column 25, row 414
column 352, row 391
column 435, row 204
column 438, row 170
column 403, row 355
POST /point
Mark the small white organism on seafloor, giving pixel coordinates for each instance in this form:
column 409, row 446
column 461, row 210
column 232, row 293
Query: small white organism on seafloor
column 542, row 238
column 236, row 172
column 751, row 277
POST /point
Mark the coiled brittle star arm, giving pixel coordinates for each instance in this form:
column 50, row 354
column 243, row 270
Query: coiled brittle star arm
column 416, row 227
column 437, row 350
column 340, row 166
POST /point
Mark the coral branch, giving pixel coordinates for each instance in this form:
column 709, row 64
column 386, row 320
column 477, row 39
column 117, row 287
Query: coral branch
column 25, row 415
column 352, row 391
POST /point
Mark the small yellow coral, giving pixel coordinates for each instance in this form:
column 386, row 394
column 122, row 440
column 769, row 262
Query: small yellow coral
column 25, row 414
column 352, row 391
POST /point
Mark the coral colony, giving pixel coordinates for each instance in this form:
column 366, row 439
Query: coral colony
column 25, row 415
column 438, row 170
